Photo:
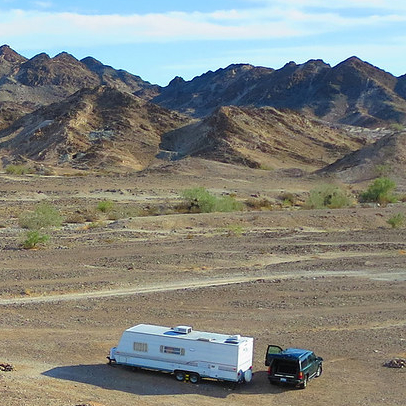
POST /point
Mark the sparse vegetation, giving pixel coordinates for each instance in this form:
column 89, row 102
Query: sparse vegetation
column 105, row 206
column 288, row 199
column 14, row 169
column 33, row 238
column 380, row 191
column 327, row 196
column 44, row 216
column 397, row 220
column 383, row 170
column 199, row 200
column 254, row 203
column 397, row 127
column 235, row 230
column 265, row 167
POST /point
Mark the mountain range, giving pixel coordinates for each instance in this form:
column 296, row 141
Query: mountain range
column 84, row 114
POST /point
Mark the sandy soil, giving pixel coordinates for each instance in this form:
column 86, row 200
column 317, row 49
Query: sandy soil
column 332, row 280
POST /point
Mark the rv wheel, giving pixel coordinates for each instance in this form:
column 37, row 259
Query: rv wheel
column 194, row 378
column 180, row 376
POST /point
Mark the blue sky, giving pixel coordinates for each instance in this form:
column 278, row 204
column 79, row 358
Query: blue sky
column 161, row 39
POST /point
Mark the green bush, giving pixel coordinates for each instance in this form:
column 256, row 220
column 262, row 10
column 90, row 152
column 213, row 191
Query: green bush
column 397, row 127
column 199, row 200
column 397, row 220
column 33, row 238
column 105, row 206
column 327, row 196
column 44, row 216
column 13, row 169
column 227, row 204
column 380, row 191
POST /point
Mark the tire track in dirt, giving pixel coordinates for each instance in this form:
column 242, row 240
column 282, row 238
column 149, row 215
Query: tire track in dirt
column 208, row 282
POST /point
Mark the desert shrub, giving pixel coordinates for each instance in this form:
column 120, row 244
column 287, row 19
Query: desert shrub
column 227, row 204
column 397, row 127
column 259, row 203
column 383, row 170
column 33, row 238
column 288, row 199
column 200, row 200
column 105, row 206
column 397, row 220
column 75, row 218
column 44, row 216
column 327, row 196
column 235, row 230
column 95, row 224
column 266, row 167
column 380, row 191
column 13, row 169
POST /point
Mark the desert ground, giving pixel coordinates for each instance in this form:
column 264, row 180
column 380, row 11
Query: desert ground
column 329, row 280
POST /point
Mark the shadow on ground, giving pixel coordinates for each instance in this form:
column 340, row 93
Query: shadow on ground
column 144, row 382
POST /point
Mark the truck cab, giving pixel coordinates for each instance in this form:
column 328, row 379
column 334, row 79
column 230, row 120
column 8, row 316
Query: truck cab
column 293, row 366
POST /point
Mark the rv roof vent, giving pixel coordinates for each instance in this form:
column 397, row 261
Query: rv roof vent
column 182, row 329
column 233, row 339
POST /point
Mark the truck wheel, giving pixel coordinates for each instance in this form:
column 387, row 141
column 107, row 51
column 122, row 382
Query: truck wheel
column 180, row 376
column 319, row 371
column 304, row 383
column 194, row 378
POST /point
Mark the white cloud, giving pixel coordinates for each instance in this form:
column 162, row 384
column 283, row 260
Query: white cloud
column 232, row 24
column 43, row 4
column 275, row 19
column 352, row 4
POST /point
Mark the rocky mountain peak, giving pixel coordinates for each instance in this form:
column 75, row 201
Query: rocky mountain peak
column 9, row 55
column 176, row 81
column 92, row 63
column 65, row 57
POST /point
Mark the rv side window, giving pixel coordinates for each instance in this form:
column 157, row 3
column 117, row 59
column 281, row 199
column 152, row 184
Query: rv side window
column 140, row 347
column 172, row 350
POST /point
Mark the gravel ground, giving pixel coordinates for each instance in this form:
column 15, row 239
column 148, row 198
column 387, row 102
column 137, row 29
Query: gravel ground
column 332, row 281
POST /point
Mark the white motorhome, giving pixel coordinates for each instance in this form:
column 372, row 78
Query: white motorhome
column 187, row 353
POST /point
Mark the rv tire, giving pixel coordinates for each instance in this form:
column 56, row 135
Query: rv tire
column 194, row 378
column 180, row 376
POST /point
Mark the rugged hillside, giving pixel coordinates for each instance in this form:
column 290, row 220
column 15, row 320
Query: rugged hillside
column 259, row 137
column 26, row 84
column 386, row 156
column 121, row 79
column 101, row 127
column 353, row 92
column 82, row 113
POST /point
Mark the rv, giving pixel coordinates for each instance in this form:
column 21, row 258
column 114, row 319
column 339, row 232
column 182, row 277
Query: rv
column 188, row 354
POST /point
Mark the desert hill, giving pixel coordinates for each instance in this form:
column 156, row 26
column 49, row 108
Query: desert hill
column 387, row 155
column 62, row 111
column 260, row 137
column 353, row 92
column 100, row 127
column 26, row 84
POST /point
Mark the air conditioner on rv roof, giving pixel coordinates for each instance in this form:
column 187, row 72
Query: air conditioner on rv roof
column 182, row 329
